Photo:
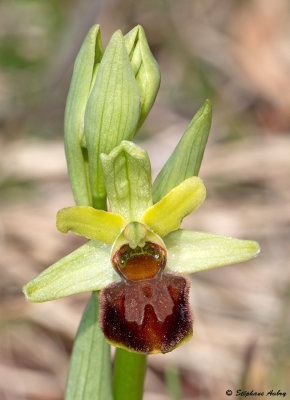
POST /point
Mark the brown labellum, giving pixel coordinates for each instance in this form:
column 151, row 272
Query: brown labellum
column 147, row 311
column 148, row 316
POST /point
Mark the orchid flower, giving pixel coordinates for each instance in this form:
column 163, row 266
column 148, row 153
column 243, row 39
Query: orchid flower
column 137, row 255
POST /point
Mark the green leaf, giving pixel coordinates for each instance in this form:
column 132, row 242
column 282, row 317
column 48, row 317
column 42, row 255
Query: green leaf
column 112, row 113
column 186, row 159
column 166, row 215
column 190, row 252
column 90, row 376
column 127, row 174
column 145, row 68
column 86, row 63
column 173, row 381
column 87, row 268
column 90, row 223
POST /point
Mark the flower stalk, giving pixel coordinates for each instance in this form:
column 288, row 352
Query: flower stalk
column 129, row 375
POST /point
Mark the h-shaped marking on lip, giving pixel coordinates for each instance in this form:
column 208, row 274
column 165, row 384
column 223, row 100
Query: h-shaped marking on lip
column 152, row 292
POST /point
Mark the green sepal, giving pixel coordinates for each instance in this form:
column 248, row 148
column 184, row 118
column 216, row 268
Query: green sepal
column 145, row 68
column 167, row 215
column 86, row 269
column 186, row 159
column 85, row 65
column 90, row 223
column 90, row 375
column 190, row 251
column 112, row 112
column 127, row 173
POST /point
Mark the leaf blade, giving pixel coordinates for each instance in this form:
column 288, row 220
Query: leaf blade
column 88, row 57
column 90, row 375
column 186, row 159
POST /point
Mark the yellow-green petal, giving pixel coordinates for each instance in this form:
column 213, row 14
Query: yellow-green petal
column 166, row 215
column 90, row 223
column 190, row 252
column 87, row 268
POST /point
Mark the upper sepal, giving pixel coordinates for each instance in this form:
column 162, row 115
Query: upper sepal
column 127, row 173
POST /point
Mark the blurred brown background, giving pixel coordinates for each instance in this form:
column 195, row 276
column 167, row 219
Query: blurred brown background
column 237, row 53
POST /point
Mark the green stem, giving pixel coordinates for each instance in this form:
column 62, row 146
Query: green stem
column 129, row 375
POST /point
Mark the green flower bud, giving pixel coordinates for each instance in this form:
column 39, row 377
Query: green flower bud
column 109, row 98
column 112, row 112
column 85, row 68
column 145, row 68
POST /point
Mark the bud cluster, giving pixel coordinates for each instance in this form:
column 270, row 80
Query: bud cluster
column 111, row 93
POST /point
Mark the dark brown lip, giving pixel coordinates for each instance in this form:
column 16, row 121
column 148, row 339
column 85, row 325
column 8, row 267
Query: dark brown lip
column 151, row 316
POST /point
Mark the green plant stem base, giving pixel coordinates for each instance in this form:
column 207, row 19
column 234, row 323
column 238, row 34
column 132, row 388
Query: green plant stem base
column 129, row 375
